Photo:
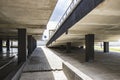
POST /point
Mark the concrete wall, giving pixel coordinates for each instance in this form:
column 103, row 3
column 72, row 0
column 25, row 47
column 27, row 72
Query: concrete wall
column 73, row 73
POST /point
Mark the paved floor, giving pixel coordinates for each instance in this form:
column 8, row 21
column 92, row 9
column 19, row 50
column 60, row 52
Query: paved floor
column 43, row 65
column 46, row 64
column 105, row 67
column 8, row 62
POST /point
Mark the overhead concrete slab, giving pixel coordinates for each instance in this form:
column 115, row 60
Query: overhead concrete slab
column 27, row 14
column 103, row 21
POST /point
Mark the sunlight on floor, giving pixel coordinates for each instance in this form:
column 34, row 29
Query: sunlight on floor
column 59, row 75
column 54, row 61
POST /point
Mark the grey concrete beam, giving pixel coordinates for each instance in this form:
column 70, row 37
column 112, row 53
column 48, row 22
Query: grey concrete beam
column 83, row 8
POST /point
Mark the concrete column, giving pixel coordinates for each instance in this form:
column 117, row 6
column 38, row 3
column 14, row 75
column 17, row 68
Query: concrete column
column 68, row 47
column 11, row 44
column 35, row 43
column 106, row 46
column 62, row 47
column 0, row 45
column 22, row 45
column 89, row 44
column 30, row 45
column 8, row 44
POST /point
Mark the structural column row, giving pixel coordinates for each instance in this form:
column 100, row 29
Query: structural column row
column 7, row 45
column 89, row 47
column 23, row 43
column 31, row 44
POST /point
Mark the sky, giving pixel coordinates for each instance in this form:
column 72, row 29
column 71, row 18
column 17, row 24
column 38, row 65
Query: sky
column 58, row 12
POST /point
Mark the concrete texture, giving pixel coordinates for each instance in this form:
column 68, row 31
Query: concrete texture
column 52, row 75
column 43, row 65
column 103, row 21
column 46, row 64
column 43, row 59
column 81, row 8
column 73, row 73
column 105, row 67
column 29, row 14
column 7, row 64
column 22, row 45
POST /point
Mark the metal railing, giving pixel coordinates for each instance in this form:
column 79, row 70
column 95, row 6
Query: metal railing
column 69, row 10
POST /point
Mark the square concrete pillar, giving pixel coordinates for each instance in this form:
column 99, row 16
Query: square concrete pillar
column 68, row 47
column 8, row 44
column 35, row 43
column 30, row 45
column 1, row 46
column 11, row 44
column 106, row 46
column 89, row 50
column 22, row 45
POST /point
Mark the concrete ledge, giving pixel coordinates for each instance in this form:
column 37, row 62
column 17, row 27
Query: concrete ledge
column 6, row 66
column 15, row 75
column 73, row 73
column 8, row 62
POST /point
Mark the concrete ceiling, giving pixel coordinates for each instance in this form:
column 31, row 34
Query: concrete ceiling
column 30, row 14
column 103, row 21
